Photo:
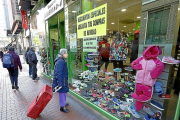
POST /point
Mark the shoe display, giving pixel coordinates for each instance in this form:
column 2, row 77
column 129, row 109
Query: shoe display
column 157, row 105
column 133, row 111
column 148, row 110
column 170, row 60
column 164, row 96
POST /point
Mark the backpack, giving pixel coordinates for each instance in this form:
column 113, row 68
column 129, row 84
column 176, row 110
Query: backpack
column 8, row 61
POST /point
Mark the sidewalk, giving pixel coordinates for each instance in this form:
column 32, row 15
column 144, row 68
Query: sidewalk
column 14, row 103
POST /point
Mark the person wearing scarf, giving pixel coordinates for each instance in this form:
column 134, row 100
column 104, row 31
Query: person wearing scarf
column 60, row 79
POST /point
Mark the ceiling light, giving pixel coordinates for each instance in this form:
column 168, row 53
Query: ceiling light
column 124, row 26
column 112, row 23
column 133, row 29
column 178, row 8
column 138, row 17
column 122, row 30
column 145, row 18
column 107, row 29
column 123, row 10
column 129, row 32
column 73, row 11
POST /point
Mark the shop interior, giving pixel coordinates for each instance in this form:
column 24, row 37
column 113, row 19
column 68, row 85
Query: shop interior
column 103, row 81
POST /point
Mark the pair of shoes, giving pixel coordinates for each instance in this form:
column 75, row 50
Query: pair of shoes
column 63, row 109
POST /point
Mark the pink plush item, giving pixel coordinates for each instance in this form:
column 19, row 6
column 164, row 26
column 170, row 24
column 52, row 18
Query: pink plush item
column 138, row 105
column 143, row 94
column 134, row 95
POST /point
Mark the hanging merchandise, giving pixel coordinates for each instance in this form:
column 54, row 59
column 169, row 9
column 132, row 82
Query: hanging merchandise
column 119, row 48
column 148, row 67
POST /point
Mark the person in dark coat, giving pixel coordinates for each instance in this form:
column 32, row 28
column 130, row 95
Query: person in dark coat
column 1, row 54
column 13, row 72
column 60, row 78
column 32, row 60
column 30, row 67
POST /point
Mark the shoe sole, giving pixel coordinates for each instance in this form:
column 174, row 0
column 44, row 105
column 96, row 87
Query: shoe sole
column 156, row 106
column 132, row 113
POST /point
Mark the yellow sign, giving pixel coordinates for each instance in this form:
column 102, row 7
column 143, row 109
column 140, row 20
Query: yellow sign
column 92, row 23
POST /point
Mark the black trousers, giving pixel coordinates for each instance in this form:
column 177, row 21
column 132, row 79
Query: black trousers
column 34, row 71
column 101, row 62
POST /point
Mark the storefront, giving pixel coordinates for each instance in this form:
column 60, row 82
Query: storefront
column 104, row 37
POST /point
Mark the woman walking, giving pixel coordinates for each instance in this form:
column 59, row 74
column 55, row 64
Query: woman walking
column 60, row 78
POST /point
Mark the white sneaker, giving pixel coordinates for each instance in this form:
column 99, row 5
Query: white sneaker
column 76, row 90
column 109, row 73
column 75, row 85
column 78, row 82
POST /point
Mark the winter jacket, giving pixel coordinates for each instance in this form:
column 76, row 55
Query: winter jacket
column 26, row 57
column 17, row 61
column 104, row 49
column 60, row 75
column 32, row 59
column 149, row 66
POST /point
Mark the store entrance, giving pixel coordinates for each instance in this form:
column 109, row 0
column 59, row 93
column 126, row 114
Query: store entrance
column 56, row 37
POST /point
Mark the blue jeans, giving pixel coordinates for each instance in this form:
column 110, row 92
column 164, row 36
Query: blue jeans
column 14, row 77
column 30, row 69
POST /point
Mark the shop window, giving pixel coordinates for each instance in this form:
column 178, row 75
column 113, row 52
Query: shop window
column 157, row 26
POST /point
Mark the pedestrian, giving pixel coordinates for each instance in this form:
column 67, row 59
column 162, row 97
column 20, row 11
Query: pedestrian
column 60, row 78
column 30, row 67
column 1, row 54
column 13, row 72
column 32, row 59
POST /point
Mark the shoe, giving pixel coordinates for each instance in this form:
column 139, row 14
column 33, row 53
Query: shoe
column 109, row 73
column 124, row 106
column 128, row 68
column 63, row 109
column 148, row 110
column 158, row 88
column 75, row 85
column 87, row 64
column 157, row 105
column 158, row 115
column 164, row 96
column 148, row 117
column 128, row 83
column 117, row 70
column 67, row 104
column 83, row 84
column 13, row 87
column 37, row 78
column 17, row 87
column 170, row 60
column 30, row 76
column 116, row 107
column 133, row 111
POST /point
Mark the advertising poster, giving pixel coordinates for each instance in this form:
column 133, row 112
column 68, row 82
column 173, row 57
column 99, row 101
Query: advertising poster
column 73, row 42
column 90, row 44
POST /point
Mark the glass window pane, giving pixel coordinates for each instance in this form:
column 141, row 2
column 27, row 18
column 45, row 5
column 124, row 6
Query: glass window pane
column 150, row 25
column 149, row 39
column 166, row 13
column 151, row 16
column 157, row 24
column 158, row 15
column 162, row 39
column 155, row 39
column 164, row 24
